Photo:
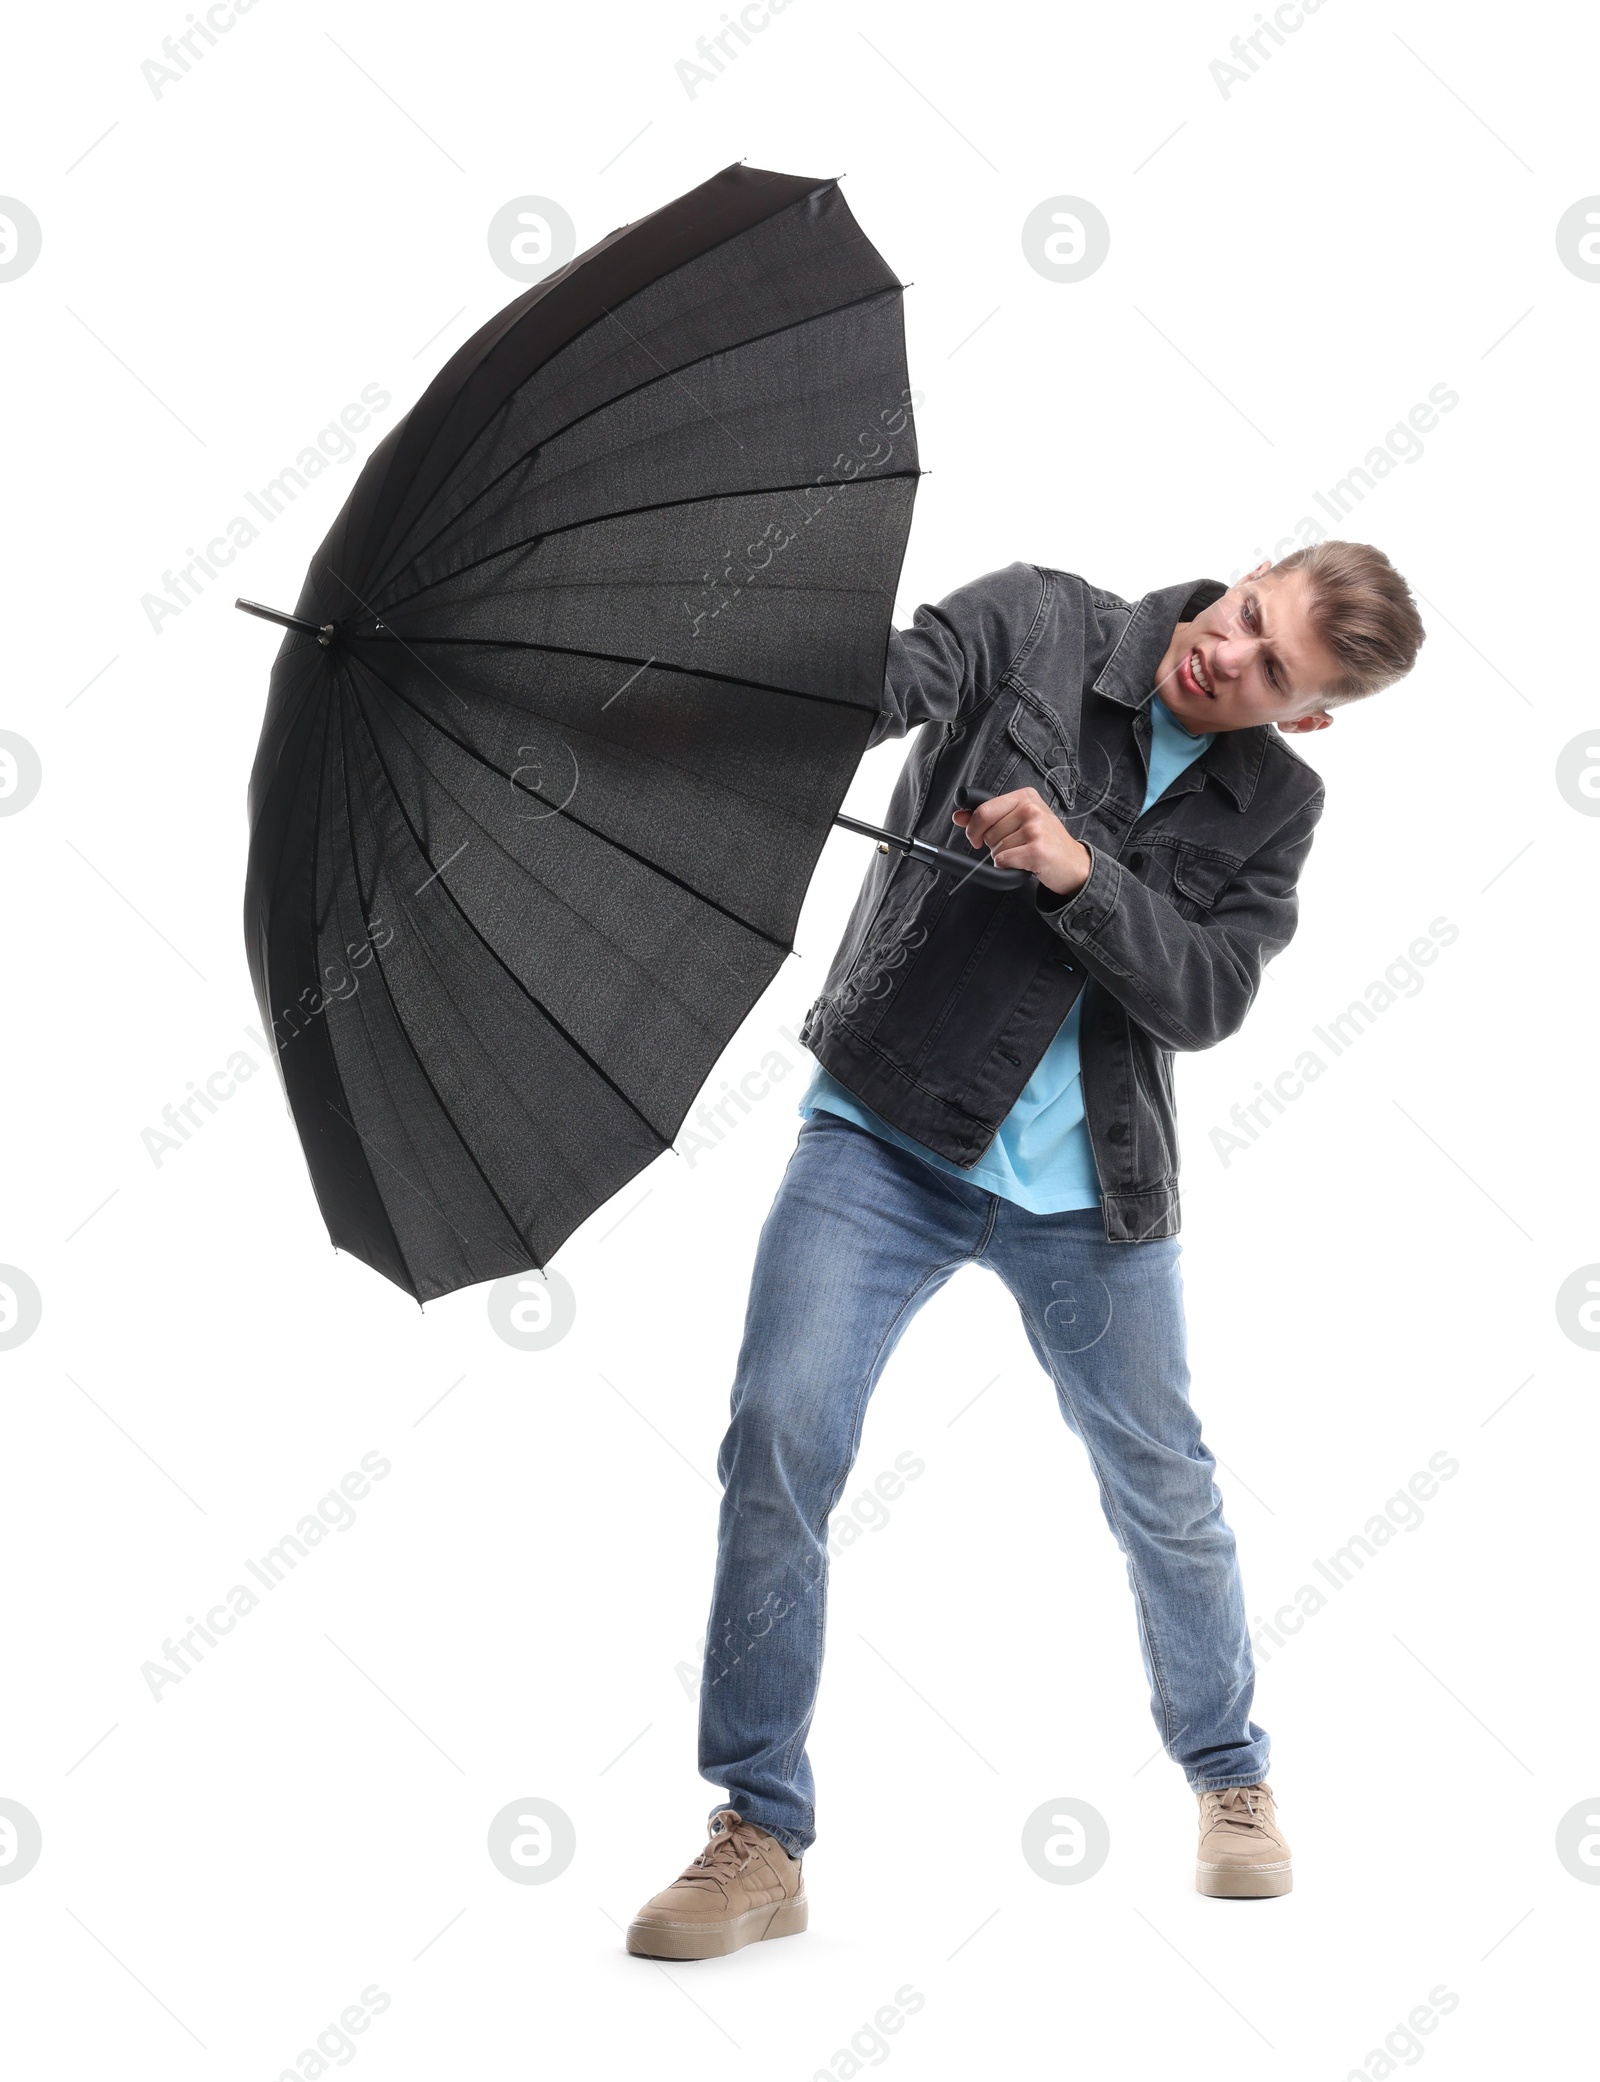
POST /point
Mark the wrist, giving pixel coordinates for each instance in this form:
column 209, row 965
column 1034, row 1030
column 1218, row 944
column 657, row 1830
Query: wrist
column 1073, row 873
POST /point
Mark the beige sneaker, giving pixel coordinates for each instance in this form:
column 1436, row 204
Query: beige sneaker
column 742, row 1887
column 1242, row 1849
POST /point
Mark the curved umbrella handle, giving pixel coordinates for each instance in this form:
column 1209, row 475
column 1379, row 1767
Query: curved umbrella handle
column 969, row 798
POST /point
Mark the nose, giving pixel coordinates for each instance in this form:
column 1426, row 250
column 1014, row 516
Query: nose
column 1234, row 653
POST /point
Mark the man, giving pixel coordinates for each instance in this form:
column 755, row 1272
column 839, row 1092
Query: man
column 994, row 1086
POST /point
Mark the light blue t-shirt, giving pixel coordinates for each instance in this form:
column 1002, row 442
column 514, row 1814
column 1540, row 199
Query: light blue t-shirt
column 1041, row 1156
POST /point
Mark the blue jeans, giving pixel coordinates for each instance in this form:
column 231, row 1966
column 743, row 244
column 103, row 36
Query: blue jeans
column 860, row 1235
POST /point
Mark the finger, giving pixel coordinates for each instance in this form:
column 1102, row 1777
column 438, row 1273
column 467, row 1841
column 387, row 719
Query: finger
column 982, row 820
column 1007, row 825
column 1013, row 842
column 1015, row 857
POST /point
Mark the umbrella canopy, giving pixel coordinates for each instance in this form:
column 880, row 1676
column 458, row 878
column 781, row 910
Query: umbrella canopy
column 573, row 689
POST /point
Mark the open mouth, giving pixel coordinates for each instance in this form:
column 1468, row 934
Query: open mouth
column 1193, row 678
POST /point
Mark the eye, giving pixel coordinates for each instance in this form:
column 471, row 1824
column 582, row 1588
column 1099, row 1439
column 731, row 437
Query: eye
column 1252, row 621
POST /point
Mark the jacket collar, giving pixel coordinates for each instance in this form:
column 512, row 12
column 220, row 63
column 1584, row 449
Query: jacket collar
column 1233, row 757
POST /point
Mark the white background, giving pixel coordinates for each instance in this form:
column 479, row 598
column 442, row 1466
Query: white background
column 1293, row 265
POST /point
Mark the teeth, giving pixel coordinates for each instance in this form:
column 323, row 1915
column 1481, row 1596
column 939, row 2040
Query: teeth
column 1199, row 674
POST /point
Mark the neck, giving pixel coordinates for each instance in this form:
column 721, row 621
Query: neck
column 1182, row 725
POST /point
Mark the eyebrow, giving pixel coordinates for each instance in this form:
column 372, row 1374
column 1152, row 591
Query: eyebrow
column 1284, row 674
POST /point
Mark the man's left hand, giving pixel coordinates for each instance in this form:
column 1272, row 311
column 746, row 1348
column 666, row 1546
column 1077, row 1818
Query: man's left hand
column 1022, row 831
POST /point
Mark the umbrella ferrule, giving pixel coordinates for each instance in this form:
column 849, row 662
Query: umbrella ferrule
column 324, row 632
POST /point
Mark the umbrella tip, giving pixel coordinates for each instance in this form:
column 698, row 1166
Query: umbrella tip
column 324, row 632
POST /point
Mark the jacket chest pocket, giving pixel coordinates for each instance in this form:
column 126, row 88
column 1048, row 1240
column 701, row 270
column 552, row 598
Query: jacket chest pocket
column 1029, row 751
column 1193, row 876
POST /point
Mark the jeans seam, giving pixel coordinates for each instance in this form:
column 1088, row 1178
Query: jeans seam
column 1109, row 1493
column 797, row 1743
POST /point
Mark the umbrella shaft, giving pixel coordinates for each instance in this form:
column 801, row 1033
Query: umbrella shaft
column 937, row 856
column 876, row 831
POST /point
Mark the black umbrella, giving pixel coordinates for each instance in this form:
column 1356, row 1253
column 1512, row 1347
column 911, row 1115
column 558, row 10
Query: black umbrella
column 573, row 690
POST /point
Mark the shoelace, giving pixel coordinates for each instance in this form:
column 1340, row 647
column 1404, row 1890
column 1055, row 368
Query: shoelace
column 1246, row 1809
column 725, row 1856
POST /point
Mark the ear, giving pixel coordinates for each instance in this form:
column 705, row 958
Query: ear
column 1261, row 569
column 1319, row 719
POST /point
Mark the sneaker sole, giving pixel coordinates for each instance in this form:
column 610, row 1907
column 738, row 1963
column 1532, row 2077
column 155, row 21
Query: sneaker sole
column 688, row 1940
column 1243, row 1882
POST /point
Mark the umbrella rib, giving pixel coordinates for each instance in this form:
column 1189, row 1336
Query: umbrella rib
column 775, row 812
column 856, row 237
column 567, row 650
column 633, row 390
column 664, row 1141
column 595, row 520
column 333, row 1056
column 764, row 804
column 494, row 840
column 409, row 1183
column 516, row 1228
column 605, row 837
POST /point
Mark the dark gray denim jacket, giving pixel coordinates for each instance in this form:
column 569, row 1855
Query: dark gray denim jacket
column 943, row 996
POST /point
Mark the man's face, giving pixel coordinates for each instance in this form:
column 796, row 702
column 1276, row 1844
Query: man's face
column 1250, row 657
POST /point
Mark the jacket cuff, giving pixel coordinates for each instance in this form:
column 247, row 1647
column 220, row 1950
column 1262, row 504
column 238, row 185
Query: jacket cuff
column 1081, row 915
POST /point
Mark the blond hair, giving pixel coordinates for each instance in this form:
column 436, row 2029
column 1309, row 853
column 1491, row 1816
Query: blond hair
column 1363, row 612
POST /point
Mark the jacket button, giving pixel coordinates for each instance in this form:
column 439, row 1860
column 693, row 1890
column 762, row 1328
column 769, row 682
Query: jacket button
column 1117, row 1132
column 1135, row 859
